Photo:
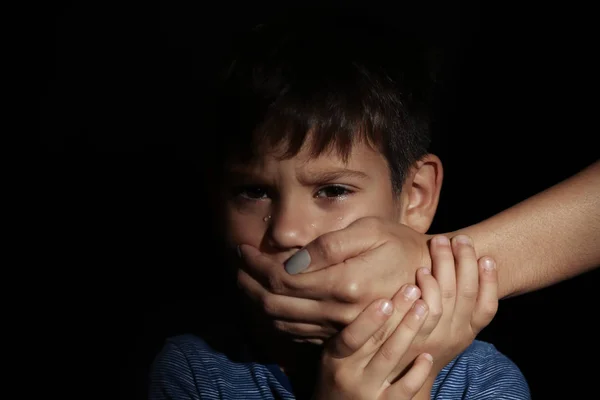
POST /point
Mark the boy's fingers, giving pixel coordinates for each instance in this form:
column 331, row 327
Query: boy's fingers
column 487, row 301
column 355, row 335
column 409, row 385
column 467, row 278
column 443, row 270
column 430, row 293
column 391, row 353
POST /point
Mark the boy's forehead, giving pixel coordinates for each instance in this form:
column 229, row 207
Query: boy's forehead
column 360, row 160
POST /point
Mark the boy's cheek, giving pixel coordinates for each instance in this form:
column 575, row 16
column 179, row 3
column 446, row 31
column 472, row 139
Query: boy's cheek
column 239, row 230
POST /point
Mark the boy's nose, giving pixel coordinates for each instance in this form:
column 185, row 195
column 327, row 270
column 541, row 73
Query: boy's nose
column 291, row 228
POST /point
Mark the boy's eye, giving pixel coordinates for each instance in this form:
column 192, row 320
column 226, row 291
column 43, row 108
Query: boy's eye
column 333, row 191
column 252, row 192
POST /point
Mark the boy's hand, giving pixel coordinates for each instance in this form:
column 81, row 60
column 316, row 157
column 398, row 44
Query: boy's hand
column 462, row 295
column 462, row 299
column 357, row 362
column 346, row 271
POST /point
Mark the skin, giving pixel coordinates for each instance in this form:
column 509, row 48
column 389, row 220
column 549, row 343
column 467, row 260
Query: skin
column 275, row 207
column 555, row 233
column 307, row 199
column 366, row 359
column 304, row 197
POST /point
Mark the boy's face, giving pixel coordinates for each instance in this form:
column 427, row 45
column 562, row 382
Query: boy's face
column 279, row 206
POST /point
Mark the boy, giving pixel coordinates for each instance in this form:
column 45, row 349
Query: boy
column 333, row 131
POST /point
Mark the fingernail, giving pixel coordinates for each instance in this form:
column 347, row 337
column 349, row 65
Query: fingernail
column 386, row 307
column 410, row 292
column 464, row 239
column 489, row 265
column 238, row 251
column 298, row 262
column 428, row 356
column 441, row 240
column 425, row 271
column 420, row 309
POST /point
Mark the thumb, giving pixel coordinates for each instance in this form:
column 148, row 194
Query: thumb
column 335, row 247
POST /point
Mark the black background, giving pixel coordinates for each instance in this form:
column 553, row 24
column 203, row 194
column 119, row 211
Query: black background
column 123, row 216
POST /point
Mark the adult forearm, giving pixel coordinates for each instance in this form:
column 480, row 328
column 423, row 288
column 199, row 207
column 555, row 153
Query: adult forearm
column 547, row 238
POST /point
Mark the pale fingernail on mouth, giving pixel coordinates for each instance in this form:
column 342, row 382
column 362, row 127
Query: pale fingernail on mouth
column 298, row 262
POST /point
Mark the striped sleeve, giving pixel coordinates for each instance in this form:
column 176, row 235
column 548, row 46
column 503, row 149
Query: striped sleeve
column 497, row 377
column 172, row 376
column 481, row 373
column 187, row 368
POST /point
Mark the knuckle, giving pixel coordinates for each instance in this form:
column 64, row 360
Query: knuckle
column 347, row 315
column 408, row 388
column 432, row 321
column 448, row 294
column 469, row 293
column 281, row 326
column 275, row 284
column 269, row 305
column 489, row 309
column 329, row 246
column 349, row 291
column 349, row 340
column 434, row 315
column 381, row 335
column 388, row 353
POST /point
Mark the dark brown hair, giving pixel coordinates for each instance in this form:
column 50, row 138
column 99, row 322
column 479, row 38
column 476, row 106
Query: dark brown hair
column 332, row 76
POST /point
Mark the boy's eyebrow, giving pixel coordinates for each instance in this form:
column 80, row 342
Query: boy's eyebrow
column 331, row 175
column 306, row 177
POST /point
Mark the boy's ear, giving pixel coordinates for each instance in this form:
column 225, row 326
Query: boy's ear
column 421, row 193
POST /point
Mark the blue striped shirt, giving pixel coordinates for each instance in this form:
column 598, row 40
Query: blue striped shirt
column 188, row 368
